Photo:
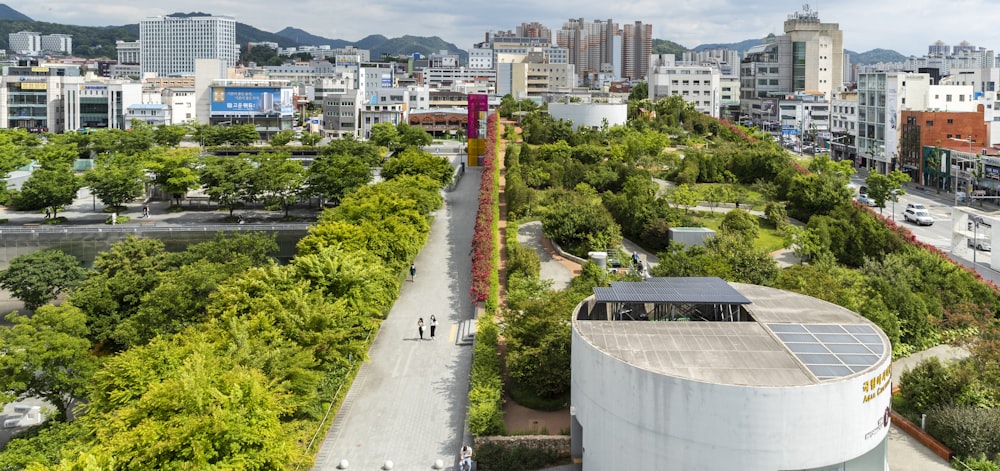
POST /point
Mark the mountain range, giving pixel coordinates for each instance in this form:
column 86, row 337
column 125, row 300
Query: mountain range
column 99, row 41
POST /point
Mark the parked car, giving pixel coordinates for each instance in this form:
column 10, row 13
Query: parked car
column 980, row 245
column 919, row 217
column 973, row 219
column 915, row 206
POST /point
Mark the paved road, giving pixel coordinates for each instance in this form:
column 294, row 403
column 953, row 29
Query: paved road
column 409, row 402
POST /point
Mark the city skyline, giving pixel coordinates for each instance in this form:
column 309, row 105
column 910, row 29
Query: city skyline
column 907, row 28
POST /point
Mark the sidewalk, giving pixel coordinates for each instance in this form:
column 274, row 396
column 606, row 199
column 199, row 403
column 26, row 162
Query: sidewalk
column 408, row 404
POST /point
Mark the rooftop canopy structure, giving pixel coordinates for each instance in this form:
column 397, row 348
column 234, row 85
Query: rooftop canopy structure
column 668, row 299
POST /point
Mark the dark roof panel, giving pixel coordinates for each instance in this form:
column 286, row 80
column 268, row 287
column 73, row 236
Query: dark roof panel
column 704, row 290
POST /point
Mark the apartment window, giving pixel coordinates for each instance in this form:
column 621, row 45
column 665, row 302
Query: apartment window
column 961, row 98
column 947, row 98
column 951, row 121
column 929, row 123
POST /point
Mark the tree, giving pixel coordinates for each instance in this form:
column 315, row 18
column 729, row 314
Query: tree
column 413, row 161
column 38, row 277
column 740, row 223
column 684, row 195
column 883, row 188
column 282, row 138
column 226, row 180
column 169, row 135
column 412, row 136
column 331, row 176
column 48, row 188
column 174, row 171
column 384, row 135
column 116, row 179
column 367, row 151
column 277, row 180
column 47, row 355
column 310, row 138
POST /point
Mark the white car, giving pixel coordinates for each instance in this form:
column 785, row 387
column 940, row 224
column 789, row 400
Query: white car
column 980, row 245
column 919, row 217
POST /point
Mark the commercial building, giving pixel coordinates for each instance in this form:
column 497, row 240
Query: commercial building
column 700, row 374
column 267, row 104
column 32, row 96
column 169, row 45
column 699, row 85
column 590, row 115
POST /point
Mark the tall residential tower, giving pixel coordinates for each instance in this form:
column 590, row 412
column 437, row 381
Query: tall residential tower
column 169, row 45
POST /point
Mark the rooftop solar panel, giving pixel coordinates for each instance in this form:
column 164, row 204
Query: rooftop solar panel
column 703, row 290
column 831, row 351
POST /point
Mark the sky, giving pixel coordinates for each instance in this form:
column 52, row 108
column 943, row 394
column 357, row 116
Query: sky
column 906, row 26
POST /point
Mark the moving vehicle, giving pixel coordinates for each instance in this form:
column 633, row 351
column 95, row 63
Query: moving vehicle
column 864, row 199
column 919, row 217
column 914, row 206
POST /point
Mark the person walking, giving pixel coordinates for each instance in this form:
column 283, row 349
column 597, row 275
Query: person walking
column 413, row 271
column 145, row 212
column 420, row 327
column 48, row 213
column 434, row 325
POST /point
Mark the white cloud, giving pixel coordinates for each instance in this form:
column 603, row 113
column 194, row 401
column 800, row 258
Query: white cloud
column 905, row 26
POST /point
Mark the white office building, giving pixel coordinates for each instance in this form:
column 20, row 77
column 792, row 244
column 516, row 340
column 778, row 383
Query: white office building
column 696, row 84
column 169, row 45
column 57, row 43
column 24, row 42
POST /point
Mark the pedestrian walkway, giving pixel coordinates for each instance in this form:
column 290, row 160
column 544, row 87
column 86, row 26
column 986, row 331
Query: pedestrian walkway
column 408, row 404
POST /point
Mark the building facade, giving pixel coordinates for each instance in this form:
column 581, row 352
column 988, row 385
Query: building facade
column 637, row 46
column 170, row 45
column 699, row 85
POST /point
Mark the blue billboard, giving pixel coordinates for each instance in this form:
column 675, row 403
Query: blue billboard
column 252, row 101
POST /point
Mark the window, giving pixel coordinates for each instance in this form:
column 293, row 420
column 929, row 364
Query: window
column 947, row 98
column 950, row 121
column 929, row 124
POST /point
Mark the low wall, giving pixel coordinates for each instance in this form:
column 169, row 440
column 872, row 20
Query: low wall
column 557, row 443
column 921, row 436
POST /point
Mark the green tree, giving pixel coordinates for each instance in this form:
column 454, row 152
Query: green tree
column 385, row 135
column 174, row 171
column 885, row 188
column 684, row 196
column 277, row 180
column 413, row 161
column 38, row 277
column 226, row 180
column 116, row 179
column 47, row 355
column 48, row 188
column 282, row 138
column 740, row 223
column 331, row 176
column 310, row 138
column 412, row 136
column 367, row 151
column 169, row 135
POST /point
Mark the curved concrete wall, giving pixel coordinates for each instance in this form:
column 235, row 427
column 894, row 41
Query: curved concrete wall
column 590, row 115
column 638, row 419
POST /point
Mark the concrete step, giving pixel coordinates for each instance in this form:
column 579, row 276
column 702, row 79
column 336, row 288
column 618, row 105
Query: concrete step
column 466, row 332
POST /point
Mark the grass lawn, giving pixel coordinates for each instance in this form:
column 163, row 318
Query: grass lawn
column 768, row 237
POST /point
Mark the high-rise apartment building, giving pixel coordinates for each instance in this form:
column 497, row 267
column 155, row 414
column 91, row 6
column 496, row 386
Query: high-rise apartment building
column 591, row 46
column 169, row 45
column 534, row 30
column 637, row 45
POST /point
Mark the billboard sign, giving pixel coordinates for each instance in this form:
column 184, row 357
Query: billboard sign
column 252, row 101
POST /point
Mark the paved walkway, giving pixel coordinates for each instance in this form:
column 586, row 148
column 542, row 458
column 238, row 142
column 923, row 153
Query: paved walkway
column 408, row 404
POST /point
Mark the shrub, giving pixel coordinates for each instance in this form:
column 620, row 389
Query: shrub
column 968, row 431
column 491, row 456
column 486, row 386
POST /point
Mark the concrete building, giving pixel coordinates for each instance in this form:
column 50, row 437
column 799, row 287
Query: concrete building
column 170, row 45
column 31, row 97
column 267, row 104
column 57, row 43
column 341, row 111
column 591, row 46
column 155, row 114
column 129, row 52
column 843, row 126
column 637, row 46
column 699, row 85
column 24, row 42
column 99, row 104
column 590, row 115
column 699, row 374
column 534, row 78
column 817, row 53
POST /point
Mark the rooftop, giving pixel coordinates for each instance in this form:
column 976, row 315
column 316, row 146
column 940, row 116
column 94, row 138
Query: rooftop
column 782, row 339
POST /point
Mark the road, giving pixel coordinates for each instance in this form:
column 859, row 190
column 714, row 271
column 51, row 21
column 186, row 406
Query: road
column 941, row 234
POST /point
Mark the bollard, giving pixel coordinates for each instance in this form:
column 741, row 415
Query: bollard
column 923, row 420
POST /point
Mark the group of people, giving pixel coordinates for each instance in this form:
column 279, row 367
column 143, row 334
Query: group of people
column 420, row 326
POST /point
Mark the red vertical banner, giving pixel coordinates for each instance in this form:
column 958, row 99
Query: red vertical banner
column 478, row 107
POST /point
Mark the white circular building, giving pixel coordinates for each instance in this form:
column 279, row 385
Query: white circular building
column 695, row 374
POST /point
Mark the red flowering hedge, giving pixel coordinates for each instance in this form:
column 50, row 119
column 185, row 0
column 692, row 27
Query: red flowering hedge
column 484, row 237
